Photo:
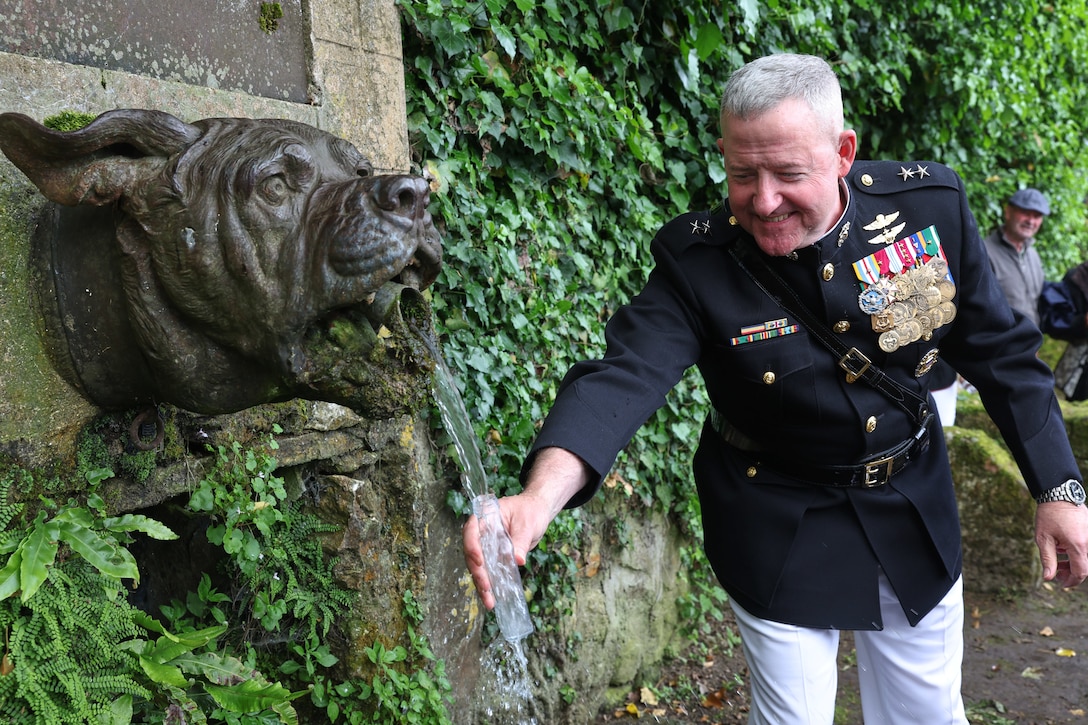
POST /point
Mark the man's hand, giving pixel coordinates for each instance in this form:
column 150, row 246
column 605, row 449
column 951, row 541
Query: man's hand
column 1061, row 533
column 556, row 476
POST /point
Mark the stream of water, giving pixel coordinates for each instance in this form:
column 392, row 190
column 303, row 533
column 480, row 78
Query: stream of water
column 505, row 658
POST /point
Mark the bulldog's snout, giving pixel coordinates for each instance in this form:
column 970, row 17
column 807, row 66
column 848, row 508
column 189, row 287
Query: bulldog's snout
column 405, row 196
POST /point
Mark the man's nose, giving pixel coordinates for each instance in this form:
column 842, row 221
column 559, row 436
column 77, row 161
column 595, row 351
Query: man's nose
column 767, row 196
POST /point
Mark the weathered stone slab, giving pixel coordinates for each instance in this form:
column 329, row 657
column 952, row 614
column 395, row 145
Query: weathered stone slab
column 262, row 49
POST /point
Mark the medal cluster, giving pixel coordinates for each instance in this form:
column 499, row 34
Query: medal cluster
column 911, row 305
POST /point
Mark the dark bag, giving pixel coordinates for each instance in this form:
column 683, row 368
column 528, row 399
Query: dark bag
column 1069, row 372
column 1062, row 309
column 1060, row 312
column 1063, row 305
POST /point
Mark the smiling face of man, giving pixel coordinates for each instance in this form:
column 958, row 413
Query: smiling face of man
column 1021, row 224
column 783, row 171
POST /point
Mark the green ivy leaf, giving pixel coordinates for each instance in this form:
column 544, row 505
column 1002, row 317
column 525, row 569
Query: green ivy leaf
column 708, row 40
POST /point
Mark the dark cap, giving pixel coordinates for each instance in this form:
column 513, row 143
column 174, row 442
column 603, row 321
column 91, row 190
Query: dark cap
column 1030, row 199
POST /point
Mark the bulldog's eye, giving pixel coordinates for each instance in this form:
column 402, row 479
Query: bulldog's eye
column 274, row 189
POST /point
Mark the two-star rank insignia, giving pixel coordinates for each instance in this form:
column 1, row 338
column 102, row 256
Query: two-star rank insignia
column 920, row 171
column 700, row 227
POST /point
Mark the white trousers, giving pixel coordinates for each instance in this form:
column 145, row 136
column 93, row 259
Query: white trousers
column 945, row 398
column 908, row 675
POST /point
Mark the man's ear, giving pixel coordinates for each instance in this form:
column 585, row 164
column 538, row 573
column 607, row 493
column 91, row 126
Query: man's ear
column 848, row 150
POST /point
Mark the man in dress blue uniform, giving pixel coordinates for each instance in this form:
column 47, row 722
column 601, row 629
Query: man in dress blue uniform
column 827, row 499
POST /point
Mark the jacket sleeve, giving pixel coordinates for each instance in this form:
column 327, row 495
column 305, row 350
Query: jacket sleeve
column 996, row 349
column 650, row 343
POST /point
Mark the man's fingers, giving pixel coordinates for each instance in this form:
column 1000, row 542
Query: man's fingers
column 474, row 560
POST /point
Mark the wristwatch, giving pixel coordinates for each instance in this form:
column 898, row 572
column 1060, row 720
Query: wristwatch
column 1071, row 491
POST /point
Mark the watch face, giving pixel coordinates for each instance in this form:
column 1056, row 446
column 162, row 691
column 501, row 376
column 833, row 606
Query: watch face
column 1077, row 491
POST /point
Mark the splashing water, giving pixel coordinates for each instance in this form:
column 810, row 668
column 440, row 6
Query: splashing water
column 509, row 670
column 511, row 611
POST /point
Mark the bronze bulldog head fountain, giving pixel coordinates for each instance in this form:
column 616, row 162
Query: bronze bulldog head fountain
column 224, row 263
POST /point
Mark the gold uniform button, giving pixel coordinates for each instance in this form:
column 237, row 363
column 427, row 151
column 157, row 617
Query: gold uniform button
column 870, row 425
column 732, row 221
column 866, row 180
column 842, row 326
column 828, row 272
column 751, row 471
column 768, row 378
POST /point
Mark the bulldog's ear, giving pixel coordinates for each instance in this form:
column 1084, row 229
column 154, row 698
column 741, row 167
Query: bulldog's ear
column 95, row 164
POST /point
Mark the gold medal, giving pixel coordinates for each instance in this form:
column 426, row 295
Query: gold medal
column 900, row 312
column 939, row 267
column 936, row 315
column 904, row 282
column 927, row 298
column 949, row 311
column 911, row 331
column 947, row 289
column 923, row 277
column 889, row 341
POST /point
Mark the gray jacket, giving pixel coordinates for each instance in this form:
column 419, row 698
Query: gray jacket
column 1020, row 274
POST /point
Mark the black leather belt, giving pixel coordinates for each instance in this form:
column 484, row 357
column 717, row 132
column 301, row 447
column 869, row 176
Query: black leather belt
column 869, row 473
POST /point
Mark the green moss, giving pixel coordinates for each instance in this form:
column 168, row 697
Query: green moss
column 269, row 18
column 68, row 121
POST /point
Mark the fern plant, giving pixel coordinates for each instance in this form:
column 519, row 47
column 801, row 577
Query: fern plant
column 64, row 665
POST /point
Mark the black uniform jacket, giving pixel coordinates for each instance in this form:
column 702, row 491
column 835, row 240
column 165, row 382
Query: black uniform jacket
column 784, row 548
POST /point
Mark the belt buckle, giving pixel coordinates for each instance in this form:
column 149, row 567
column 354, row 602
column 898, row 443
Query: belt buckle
column 877, row 473
column 854, row 355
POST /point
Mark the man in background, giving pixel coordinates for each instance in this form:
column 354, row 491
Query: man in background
column 1013, row 257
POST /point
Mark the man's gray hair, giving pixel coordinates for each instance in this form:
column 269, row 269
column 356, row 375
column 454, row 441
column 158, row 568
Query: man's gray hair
column 762, row 84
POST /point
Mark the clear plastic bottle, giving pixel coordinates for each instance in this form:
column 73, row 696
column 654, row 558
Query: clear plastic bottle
column 511, row 610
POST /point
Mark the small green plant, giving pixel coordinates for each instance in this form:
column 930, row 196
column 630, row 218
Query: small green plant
column 269, row 18
column 63, row 610
column 76, row 651
column 245, row 495
column 97, row 539
column 68, row 121
column 418, row 696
